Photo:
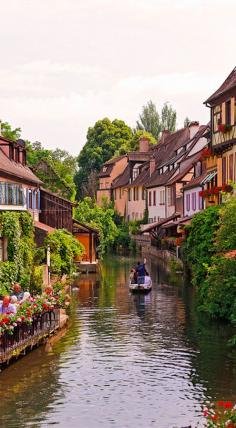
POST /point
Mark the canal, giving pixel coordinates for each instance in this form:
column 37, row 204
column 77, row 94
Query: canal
column 125, row 361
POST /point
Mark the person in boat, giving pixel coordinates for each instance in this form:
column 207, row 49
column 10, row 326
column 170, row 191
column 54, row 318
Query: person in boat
column 133, row 276
column 141, row 272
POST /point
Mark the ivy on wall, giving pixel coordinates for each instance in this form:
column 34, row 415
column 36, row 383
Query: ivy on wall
column 18, row 229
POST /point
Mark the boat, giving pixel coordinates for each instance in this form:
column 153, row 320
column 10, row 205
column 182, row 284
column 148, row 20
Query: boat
column 141, row 288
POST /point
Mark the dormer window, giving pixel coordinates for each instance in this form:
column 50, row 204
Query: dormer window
column 11, row 152
column 104, row 169
column 17, row 154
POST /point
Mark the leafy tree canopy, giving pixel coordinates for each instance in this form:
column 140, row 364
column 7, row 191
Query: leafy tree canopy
column 133, row 144
column 103, row 140
column 8, row 132
column 151, row 121
column 102, row 218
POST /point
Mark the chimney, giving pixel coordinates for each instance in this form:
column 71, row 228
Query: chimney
column 152, row 165
column 193, row 129
column 144, row 144
column 164, row 134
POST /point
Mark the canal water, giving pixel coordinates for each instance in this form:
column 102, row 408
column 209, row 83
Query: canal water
column 125, row 361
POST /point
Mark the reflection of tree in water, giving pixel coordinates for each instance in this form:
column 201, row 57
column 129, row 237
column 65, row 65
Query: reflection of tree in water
column 29, row 387
column 214, row 364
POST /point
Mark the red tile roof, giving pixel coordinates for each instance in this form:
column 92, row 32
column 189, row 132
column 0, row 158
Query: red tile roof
column 227, row 85
column 17, row 170
column 152, row 226
column 158, row 179
column 122, row 179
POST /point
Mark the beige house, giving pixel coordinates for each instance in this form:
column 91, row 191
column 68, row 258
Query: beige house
column 109, row 172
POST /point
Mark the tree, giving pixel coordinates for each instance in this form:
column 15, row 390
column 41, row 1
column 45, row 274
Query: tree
column 103, row 140
column 187, row 122
column 9, row 133
column 152, row 122
column 133, row 144
column 62, row 163
column 149, row 120
column 168, row 118
column 102, row 218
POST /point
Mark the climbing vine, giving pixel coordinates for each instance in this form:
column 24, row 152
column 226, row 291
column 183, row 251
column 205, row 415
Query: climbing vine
column 18, row 231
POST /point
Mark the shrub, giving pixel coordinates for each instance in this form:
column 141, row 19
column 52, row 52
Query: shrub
column 37, row 279
column 63, row 248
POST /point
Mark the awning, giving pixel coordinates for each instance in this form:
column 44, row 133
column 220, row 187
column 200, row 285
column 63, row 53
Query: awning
column 208, row 178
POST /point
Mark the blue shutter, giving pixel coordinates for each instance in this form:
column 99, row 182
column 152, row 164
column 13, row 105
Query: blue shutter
column 27, row 198
column 39, row 200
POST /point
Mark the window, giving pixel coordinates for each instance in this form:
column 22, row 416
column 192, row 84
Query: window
column 228, row 112
column 217, row 117
column 11, row 152
column 114, row 194
column 143, row 193
column 11, row 194
column 17, row 154
column 129, row 194
column 30, row 203
column 188, row 202
column 171, row 195
column 224, row 177
column 150, row 198
column 231, row 167
column 155, row 219
column 200, row 205
column 104, row 169
column 154, row 197
column 120, row 193
column 162, row 197
column 194, row 201
column 135, row 173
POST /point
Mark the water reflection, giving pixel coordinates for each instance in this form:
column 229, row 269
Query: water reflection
column 126, row 361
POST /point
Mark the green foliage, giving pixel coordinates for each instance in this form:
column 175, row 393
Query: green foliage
column 62, row 163
column 218, row 290
column 226, row 234
column 103, row 140
column 151, row 121
column 9, row 133
column 168, row 118
column 123, row 240
column 187, row 122
column 199, row 246
column 36, row 285
column 133, row 144
column 63, row 249
column 101, row 218
column 19, row 231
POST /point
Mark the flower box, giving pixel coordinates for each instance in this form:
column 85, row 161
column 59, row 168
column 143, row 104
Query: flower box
column 224, row 128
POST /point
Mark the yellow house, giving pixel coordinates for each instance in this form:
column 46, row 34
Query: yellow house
column 221, row 162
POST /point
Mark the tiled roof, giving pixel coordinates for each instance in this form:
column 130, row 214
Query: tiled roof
column 196, row 181
column 57, row 196
column 109, row 164
column 139, row 156
column 43, row 226
column 17, row 170
column 185, row 167
column 106, row 173
column 228, row 84
column 122, row 179
column 152, row 226
column 157, row 179
column 142, row 178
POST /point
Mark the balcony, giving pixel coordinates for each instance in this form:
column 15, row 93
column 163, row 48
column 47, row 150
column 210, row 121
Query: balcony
column 11, row 195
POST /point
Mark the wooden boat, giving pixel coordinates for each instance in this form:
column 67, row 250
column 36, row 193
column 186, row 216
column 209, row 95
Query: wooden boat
column 141, row 288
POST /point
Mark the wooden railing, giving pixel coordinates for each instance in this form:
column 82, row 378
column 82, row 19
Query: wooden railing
column 27, row 335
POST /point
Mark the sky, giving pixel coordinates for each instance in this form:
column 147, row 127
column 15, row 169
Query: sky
column 67, row 63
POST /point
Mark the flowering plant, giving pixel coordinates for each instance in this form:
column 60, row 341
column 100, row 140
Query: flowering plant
column 27, row 310
column 222, row 414
column 206, row 153
column 224, row 128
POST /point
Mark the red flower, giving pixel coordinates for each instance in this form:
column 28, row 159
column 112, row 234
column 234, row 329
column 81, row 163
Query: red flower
column 220, row 403
column 214, row 417
column 228, row 405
